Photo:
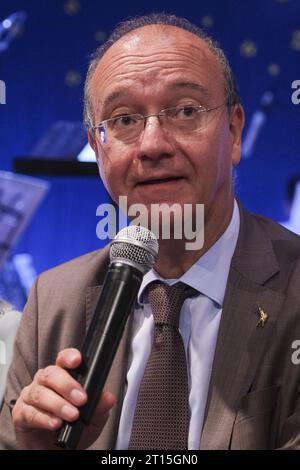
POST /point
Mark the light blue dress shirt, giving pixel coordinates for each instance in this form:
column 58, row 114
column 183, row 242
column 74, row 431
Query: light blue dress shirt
column 199, row 326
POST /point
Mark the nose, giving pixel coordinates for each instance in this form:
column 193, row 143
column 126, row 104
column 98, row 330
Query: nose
column 154, row 141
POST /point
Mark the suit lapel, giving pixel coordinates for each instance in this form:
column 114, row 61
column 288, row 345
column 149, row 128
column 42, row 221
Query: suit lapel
column 240, row 348
column 241, row 342
column 116, row 377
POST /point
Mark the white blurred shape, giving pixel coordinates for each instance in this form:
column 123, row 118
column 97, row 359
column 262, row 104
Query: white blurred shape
column 293, row 223
column 87, row 154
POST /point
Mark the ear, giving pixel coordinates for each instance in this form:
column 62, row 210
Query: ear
column 236, row 125
column 93, row 144
column 92, row 139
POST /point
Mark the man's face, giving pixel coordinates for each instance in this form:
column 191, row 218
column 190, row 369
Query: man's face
column 148, row 70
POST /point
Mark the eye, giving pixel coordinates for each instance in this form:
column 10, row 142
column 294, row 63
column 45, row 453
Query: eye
column 187, row 112
column 124, row 120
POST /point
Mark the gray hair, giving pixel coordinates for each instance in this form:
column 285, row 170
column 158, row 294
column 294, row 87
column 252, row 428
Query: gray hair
column 231, row 91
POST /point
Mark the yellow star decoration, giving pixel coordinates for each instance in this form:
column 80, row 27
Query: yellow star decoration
column 72, row 7
column 73, row 78
column 273, row 69
column 100, row 36
column 295, row 42
column 248, row 49
column 207, row 21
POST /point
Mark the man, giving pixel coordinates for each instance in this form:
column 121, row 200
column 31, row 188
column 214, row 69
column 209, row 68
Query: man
column 239, row 331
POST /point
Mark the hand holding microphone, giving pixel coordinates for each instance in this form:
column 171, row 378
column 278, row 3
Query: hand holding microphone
column 53, row 397
column 50, row 399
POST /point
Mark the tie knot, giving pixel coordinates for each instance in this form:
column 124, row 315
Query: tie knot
column 166, row 301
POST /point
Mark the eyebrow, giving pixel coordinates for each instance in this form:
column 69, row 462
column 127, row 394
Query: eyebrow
column 190, row 85
column 115, row 95
column 112, row 97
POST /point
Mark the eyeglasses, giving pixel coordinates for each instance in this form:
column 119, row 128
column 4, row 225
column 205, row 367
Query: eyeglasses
column 179, row 120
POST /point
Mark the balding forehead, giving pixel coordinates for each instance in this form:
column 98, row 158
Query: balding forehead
column 147, row 35
column 156, row 39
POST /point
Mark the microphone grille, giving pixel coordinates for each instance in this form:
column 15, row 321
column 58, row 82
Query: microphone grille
column 135, row 245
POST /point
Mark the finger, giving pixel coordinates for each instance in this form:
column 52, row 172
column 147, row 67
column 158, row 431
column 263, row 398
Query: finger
column 46, row 400
column 61, row 382
column 68, row 358
column 32, row 418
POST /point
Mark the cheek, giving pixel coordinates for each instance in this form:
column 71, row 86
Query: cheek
column 211, row 157
column 220, row 149
column 112, row 171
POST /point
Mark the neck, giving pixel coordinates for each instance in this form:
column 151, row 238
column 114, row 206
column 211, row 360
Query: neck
column 174, row 259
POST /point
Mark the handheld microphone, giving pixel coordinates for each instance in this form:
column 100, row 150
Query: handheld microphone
column 133, row 252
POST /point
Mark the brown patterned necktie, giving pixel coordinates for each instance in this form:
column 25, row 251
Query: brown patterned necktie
column 161, row 417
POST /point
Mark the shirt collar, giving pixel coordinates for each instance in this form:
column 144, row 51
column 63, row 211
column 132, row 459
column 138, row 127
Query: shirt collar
column 209, row 273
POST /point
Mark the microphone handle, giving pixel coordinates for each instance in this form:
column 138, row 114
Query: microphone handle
column 116, row 302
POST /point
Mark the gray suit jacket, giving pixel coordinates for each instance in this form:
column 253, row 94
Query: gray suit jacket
column 254, row 397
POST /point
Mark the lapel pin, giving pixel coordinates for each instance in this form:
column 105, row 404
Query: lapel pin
column 263, row 317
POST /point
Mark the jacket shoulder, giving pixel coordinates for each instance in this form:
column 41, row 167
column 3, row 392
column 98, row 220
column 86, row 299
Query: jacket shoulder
column 84, row 271
column 283, row 240
column 258, row 230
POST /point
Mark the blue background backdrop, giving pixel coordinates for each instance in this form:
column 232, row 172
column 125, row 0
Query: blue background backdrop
column 44, row 72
